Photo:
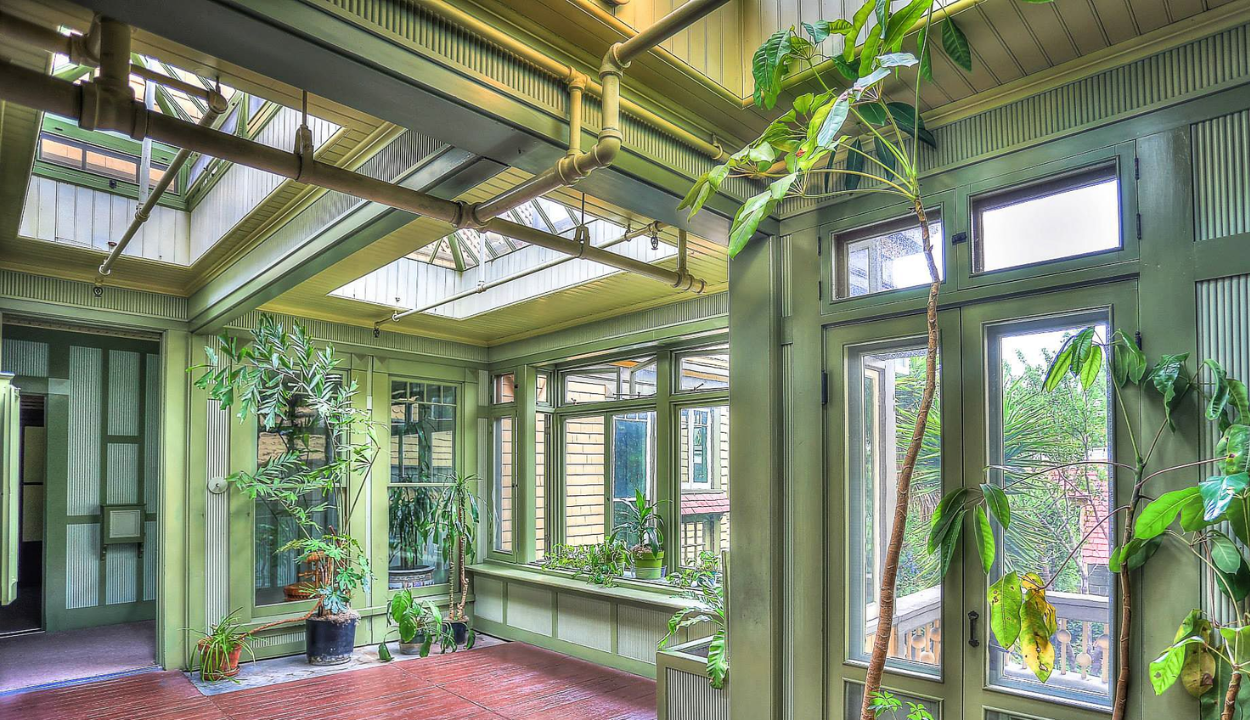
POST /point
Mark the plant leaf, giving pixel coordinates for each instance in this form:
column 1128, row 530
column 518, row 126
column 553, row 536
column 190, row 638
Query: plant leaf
column 950, row 540
column 897, row 59
column 1160, row 513
column 717, row 660
column 1037, row 624
column 1219, row 393
column 384, row 653
column 1166, row 669
column 1091, row 367
column 925, row 71
column 1169, row 378
column 955, row 44
column 1234, row 447
column 985, row 539
column 705, row 187
column 1218, row 491
column 748, row 219
column 855, row 164
column 767, row 67
column 904, row 20
column 1224, row 552
column 1238, row 515
column 1005, row 601
column 943, row 516
column 996, row 500
column 910, row 122
column 1128, row 363
column 833, row 121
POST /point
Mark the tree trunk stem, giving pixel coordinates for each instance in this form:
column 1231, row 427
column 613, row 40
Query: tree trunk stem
column 889, row 573
column 1230, row 697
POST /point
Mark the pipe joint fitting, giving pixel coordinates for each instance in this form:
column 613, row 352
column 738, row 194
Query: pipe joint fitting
column 89, row 115
column 467, row 217
column 576, row 80
column 612, row 64
column 139, row 128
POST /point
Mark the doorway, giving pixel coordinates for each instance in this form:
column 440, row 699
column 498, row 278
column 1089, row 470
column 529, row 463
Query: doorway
column 25, row 614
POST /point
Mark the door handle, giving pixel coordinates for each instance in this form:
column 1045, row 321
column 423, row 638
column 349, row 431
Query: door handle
column 973, row 640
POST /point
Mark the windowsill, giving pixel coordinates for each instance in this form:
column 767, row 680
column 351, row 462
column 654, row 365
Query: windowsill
column 625, row 589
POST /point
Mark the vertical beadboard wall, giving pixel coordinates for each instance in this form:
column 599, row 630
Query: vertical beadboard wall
column 1223, row 335
column 690, row 697
column 1221, row 152
column 217, row 516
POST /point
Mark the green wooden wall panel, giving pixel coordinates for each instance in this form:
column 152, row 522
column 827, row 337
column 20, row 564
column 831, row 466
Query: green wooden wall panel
column 24, row 286
column 150, row 538
column 83, row 486
column 639, row 631
column 689, row 697
column 1221, row 151
column 488, row 599
column 24, row 357
column 152, row 433
column 122, row 476
column 82, row 565
column 530, row 608
column 580, row 620
column 123, row 390
column 121, row 575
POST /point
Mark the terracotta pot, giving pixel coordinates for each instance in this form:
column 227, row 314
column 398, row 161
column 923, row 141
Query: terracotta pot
column 208, row 673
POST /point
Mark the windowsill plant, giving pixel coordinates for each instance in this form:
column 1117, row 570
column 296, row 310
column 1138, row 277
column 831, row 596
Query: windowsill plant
column 643, row 525
column 704, row 584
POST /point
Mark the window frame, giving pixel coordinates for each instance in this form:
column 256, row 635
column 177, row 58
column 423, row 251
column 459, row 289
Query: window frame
column 841, row 262
column 679, row 355
column 678, row 490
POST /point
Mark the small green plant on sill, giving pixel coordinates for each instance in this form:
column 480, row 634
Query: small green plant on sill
column 420, row 622
column 600, row 563
column 1022, row 618
column 218, row 649
column 704, row 585
column 884, row 704
column 296, row 392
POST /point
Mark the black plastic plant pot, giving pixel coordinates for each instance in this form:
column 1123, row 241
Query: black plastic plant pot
column 329, row 640
column 461, row 632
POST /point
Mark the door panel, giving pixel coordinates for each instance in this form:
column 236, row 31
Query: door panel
column 1011, row 432
column 10, row 487
column 876, row 374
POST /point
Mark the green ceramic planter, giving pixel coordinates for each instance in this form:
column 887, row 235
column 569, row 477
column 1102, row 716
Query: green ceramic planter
column 648, row 566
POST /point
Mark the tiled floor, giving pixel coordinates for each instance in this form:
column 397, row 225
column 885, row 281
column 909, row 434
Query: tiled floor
column 46, row 658
column 510, row 681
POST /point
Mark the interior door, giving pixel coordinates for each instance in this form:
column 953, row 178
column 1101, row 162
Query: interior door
column 1011, row 431
column 876, row 377
column 10, row 487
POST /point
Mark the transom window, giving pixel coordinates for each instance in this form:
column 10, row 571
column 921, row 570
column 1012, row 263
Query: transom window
column 1062, row 218
column 96, row 160
column 703, row 370
column 615, row 380
column 886, row 256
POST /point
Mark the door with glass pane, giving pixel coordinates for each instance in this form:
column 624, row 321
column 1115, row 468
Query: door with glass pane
column 1013, row 433
column 877, row 376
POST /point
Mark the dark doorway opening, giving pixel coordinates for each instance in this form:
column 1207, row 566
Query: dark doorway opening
column 25, row 615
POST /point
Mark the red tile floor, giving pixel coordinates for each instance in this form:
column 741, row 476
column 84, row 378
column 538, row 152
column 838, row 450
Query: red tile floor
column 513, row 681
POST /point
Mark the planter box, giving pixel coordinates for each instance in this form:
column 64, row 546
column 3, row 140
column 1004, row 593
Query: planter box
column 682, row 688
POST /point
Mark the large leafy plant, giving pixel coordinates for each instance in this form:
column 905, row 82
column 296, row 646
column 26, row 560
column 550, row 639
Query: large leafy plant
column 704, row 585
column 1022, row 618
column 457, row 516
column 421, row 622
column 641, row 521
column 299, row 393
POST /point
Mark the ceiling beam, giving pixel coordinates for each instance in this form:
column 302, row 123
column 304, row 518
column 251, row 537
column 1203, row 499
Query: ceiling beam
column 315, row 49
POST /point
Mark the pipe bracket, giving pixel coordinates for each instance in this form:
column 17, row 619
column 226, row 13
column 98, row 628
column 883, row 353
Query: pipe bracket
column 139, row 130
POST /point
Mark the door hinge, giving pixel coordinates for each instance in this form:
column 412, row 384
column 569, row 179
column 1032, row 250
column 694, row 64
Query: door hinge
column 820, row 289
column 820, row 245
column 1139, row 226
column 959, row 238
column 1136, row 168
column 824, row 388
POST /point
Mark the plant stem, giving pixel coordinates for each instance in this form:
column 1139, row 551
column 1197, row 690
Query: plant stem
column 889, row 573
column 1230, row 697
column 1120, row 698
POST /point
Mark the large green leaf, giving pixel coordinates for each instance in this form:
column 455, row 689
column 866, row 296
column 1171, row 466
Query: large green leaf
column 1005, row 601
column 1166, row 669
column 1072, row 357
column 705, row 187
column 904, row 20
column 1192, row 513
column 1091, row 367
column 858, row 21
column 1128, row 362
column 1238, row 515
column 996, row 500
column 1160, row 513
column 925, row 71
column 1224, row 552
column 1218, row 395
column 910, row 122
column 718, row 660
column 822, row 29
column 955, row 43
column 834, row 121
column 1170, row 379
column 943, row 515
column 984, row 538
column 767, row 67
column 1238, row 642
column 872, row 112
column 855, row 165
column 1235, row 585
column 950, row 540
column 1133, row 554
column 883, row 154
column 384, row 653
column 748, row 218
column 1218, row 491
column 1234, row 447
column 1238, row 400
column 849, row 71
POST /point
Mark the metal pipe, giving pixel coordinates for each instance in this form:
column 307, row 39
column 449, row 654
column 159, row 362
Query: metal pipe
column 80, row 49
column 484, row 286
column 575, row 115
column 517, row 47
column 172, row 82
column 575, row 166
column 96, row 107
column 145, row 210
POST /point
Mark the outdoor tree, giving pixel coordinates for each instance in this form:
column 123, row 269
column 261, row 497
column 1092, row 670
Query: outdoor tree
column 1021, row 617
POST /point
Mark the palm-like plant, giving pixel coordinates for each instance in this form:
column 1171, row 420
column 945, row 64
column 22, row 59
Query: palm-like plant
column 640, row 522
column 457, row 518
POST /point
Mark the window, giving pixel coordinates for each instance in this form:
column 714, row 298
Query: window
column 616, row 380
column 884, row 385
column 1068, row 217
column 703, row 469
column 98, row 161
column 542, row 394
column 502, row 478
column 503, row 389
column 703, row 370
column 279, row 577
column 423, row 461
column 1029, row 430
column 542, row 442
column 584, row 452
column 883, row 257
column 633, row 462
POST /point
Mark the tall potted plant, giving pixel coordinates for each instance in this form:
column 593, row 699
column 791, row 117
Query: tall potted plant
column 298, row 392
column 457, row 516
column 642, row 525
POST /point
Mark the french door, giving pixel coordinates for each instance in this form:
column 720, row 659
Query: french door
column 990, row 423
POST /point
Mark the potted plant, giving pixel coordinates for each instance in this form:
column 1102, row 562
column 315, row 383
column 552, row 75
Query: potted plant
column 641, row 523
column 457, row 517
column 412, row 529
column 220, row 648
column 420, row 625
column 704, row 585
column 297, row 393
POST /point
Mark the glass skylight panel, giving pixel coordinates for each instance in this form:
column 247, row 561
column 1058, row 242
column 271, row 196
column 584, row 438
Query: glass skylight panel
column 528, row 214
column 560, row 216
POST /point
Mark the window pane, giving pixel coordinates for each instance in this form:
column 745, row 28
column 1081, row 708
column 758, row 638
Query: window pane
column 616, row 380
column 415, row 559
column 854, row 697
column 584, row 480
column 888, row 260
column 542, row 395
column 279, row 578
column 706, row 370
column 885, row 384
column 504, row 388
column 111, row 166
column 633, row 462
column 61, row 153
column 423, row 432
column 1053, row 511
column 542, row 439
column 703, row 466
column 502, row 478
column 1080, row 216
